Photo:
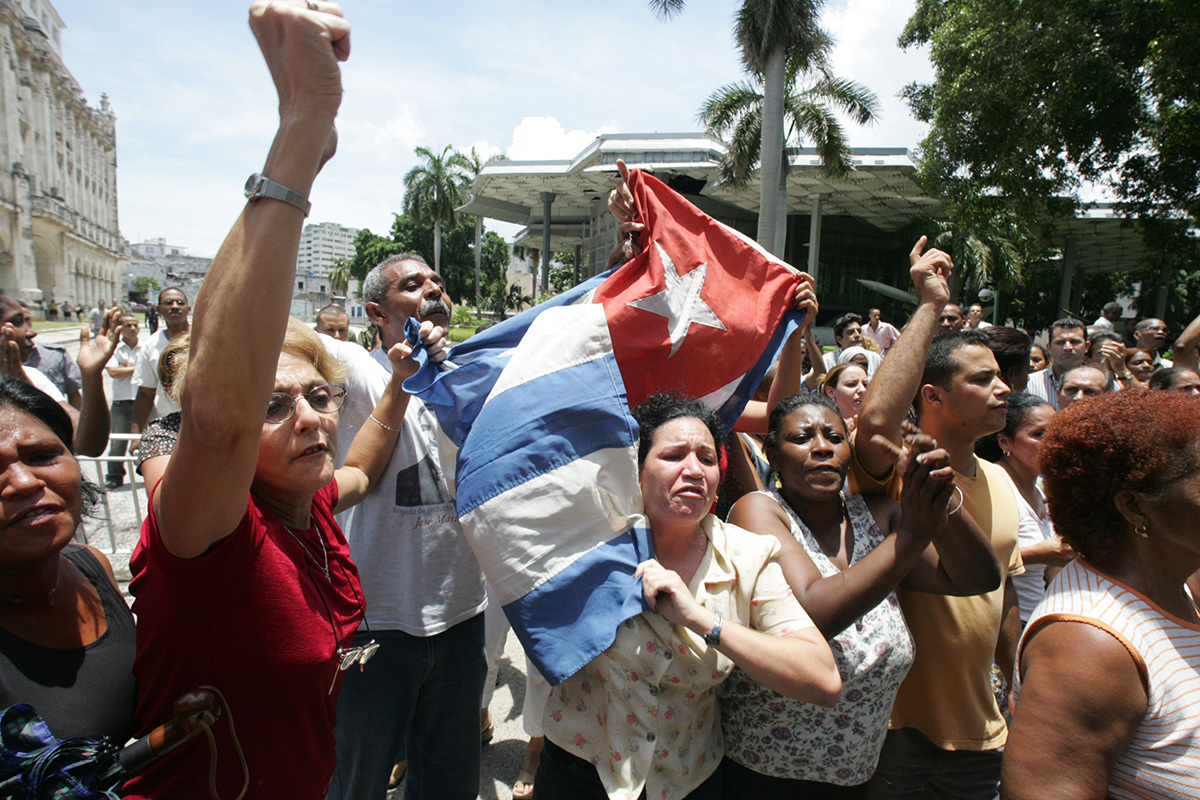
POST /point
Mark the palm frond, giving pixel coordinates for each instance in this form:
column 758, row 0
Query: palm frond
column 721, row 109
column 852, row 97
column 666, row 9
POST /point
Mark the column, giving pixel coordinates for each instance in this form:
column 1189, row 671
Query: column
column 547, row 202
column 814, row 238
column 1064, row 290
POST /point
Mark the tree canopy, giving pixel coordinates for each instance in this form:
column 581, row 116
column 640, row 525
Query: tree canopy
column 1033, row 100
column 458, row 251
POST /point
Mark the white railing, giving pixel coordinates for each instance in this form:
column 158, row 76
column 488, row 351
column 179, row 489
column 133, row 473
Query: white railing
column 136, row 485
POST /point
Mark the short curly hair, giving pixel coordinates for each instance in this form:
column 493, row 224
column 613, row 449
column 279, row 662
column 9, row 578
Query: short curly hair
column 661, row 407
column 1136, row 440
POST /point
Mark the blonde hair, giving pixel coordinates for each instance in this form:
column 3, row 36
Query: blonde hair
column 172, row 366
column 299, row 340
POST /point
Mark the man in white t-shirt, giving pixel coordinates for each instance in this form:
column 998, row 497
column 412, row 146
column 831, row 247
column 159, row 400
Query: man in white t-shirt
column 148, row 396
column 420, row 697
column 1108, row 315
column 847, row 332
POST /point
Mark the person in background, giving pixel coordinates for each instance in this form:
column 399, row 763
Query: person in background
column 149, row 396
column 847, row 332
column 1106, row 351
column 1140, row 365
column 975, row 320
column 333, row 321
column 120, row 369
column 952, row 318
column 1108, row 315
column 50, row 360
column 1080, row 383
column 151, row 319
column 846, row 384
column 1109, row 665
column 1068, row 345
column 1176, row 379
column 880, row 332
column 1037, row 358
column 1015, row 448
column 1012, row 348
column 1151, row 334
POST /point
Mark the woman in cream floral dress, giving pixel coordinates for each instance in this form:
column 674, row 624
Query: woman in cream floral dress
column 643, row 716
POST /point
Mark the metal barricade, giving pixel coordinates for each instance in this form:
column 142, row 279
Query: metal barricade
column 136, row 486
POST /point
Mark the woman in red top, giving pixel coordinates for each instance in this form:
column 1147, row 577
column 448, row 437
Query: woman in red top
column 242, row 578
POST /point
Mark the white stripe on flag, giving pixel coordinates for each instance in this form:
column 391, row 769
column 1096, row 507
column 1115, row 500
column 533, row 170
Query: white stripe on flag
column 563, row 514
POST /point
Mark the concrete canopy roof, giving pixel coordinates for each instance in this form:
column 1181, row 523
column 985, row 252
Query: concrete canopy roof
column 882, row 190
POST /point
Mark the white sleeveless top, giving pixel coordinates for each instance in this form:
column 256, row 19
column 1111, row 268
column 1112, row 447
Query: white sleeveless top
column 1162, row 760
column 775, row 735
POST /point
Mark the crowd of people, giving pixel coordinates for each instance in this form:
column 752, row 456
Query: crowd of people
column 937, row 561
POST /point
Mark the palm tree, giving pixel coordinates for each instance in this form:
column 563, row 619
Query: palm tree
column 434, row 189
column 734, row 113
column 769, row 33
column 339, row 276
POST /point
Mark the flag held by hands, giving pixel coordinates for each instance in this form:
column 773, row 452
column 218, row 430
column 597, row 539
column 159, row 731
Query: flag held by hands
column 539, row 406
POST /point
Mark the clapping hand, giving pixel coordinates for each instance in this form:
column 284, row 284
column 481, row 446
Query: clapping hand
column 928, row 488
column 10, row 354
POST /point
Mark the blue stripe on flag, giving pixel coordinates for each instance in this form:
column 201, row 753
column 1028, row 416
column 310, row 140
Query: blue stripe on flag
column 572, row 617
column 732, row 408
column 579, row 409
column 456, row 397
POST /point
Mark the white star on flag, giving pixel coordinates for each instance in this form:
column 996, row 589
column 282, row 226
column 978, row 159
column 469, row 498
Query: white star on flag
column 680, row 302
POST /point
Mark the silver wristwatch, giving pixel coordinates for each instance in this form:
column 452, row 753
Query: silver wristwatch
column 258, row 185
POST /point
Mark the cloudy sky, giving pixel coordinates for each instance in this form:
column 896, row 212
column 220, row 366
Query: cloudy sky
column 537, row 79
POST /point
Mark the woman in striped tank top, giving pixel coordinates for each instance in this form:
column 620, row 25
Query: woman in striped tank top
column 1108, row 668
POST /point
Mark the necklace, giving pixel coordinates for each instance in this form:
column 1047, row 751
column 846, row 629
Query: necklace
column 324, row 551
column 24, row 601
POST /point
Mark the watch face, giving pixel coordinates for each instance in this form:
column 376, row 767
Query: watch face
column 251, row 183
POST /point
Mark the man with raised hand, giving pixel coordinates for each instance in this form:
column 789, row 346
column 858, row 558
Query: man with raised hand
column 1068, row 346
column 945, row 718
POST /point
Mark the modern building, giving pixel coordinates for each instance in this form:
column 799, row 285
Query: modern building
column 321, row 245
column 157, row 248
column 843, row 232
column 59, row 237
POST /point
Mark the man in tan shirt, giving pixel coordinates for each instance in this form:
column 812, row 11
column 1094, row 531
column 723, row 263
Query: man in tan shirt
column 946, row 727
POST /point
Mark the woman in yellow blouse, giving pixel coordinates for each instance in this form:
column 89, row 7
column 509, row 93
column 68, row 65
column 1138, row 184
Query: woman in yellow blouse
column 642, row 716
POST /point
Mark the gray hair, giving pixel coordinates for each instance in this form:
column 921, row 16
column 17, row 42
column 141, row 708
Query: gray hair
column 375, row 285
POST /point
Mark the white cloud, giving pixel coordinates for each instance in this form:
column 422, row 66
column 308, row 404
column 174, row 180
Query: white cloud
column 866, row 32
column 545, row 138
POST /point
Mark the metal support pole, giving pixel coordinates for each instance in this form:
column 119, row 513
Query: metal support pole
column 1068, row 275
column 578, row 258
column 547, row 201
column 814, row 238
column 1164, row 280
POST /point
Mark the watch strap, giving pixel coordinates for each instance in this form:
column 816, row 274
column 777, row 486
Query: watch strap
column 260, row 186
column 713, row 637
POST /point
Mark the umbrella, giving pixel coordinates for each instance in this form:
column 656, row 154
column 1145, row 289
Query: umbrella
column 36, row 765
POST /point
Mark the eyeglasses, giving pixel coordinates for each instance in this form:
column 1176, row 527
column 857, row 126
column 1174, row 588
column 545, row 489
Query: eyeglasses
column 347, row 657
column 325, row 399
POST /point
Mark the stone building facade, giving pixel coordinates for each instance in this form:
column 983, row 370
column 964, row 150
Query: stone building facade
column 59, row 236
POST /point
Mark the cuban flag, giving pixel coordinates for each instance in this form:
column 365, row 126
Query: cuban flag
column 539, row 406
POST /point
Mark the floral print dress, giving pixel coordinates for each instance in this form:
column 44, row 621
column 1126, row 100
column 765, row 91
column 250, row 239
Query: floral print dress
column 775, row 735
column 644, row 711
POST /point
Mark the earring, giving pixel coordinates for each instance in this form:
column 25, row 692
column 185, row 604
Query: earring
column 1143, row 531
column 1007, row 453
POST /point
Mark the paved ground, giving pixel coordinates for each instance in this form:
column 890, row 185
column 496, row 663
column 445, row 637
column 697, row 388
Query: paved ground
column 114, row 529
